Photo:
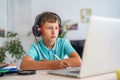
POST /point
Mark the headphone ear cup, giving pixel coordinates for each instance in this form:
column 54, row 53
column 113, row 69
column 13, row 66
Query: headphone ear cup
column 60, row 30
column 36, row 31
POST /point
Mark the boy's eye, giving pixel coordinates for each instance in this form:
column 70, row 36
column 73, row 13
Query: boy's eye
column 52, row 27
column 56, row 27
column 49, row 27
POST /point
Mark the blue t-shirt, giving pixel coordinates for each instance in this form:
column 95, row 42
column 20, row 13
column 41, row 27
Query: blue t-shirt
column 61, row 48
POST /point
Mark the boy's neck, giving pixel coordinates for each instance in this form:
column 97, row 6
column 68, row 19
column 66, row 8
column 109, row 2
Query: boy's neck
column 49, row 45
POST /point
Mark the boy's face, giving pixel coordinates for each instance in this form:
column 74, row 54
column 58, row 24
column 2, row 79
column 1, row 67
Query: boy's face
column 50, row 31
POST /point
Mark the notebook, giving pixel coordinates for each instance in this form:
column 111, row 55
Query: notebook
column 101, row 52
column 8, row 68
column 3, row 64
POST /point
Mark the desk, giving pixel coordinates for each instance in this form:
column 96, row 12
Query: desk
column 43, row 75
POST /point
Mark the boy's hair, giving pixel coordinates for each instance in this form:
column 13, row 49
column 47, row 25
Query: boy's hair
column 47, row 17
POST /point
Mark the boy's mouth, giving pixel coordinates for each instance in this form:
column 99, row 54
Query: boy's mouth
column 53, row 36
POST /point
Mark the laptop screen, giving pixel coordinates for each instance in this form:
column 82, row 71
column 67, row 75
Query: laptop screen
column 102, row 47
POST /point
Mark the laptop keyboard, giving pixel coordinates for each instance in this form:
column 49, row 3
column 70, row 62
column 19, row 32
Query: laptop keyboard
column 77, row 71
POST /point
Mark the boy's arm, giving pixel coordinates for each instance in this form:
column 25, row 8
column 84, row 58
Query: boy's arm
column 74, row 60
column 29, row 64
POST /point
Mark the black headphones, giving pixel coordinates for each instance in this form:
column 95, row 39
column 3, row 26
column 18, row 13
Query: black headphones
column 36, row 27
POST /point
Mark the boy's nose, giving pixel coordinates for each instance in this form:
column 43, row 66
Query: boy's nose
column 53, row 31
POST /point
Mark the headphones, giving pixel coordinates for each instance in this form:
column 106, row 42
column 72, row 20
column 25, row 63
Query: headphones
column 37, row 30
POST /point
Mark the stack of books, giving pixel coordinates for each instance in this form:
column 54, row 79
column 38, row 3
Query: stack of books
column 8, row 68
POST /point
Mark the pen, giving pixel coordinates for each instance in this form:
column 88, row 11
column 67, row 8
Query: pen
column 60, row 59
column 57, row 57
column 54, row 53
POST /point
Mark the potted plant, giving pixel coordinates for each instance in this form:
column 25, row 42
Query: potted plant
column 12, row 47
column 64, row 29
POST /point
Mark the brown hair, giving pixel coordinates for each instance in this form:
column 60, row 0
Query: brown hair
column 47, row 17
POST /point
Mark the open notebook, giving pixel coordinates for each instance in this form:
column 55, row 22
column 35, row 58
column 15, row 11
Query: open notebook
column 101, row 52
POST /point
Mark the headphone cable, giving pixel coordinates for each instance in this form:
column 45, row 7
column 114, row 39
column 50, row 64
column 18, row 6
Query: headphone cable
column 36, row 40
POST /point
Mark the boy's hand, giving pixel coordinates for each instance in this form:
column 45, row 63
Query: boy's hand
column 60, row 64
column 64, row 64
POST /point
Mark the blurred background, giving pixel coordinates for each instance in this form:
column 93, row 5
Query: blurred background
column 18, row 16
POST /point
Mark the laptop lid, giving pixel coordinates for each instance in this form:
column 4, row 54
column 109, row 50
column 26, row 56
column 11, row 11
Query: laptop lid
column 102, row 47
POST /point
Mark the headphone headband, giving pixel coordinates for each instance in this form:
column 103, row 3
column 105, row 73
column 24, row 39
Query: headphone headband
column 39, row 17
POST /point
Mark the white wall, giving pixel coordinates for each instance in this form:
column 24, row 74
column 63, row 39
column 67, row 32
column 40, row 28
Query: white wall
column 70, row 9
column 22, row 14
column 3, row 18
column 3, row 14
column 23, row 20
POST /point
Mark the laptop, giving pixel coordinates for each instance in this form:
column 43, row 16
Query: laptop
column 101, row 52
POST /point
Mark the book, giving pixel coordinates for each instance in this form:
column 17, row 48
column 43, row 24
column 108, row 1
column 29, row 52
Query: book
column 3, row 64
column 10, row 67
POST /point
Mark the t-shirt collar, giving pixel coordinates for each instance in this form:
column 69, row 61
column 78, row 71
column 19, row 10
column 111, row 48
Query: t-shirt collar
column 45, row 49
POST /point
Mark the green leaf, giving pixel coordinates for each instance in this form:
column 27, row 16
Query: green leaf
column 13, row 46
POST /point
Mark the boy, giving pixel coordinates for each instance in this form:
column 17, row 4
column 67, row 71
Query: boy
column 49, row 52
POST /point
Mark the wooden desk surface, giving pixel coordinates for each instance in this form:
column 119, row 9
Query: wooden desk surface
column 43, row 75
